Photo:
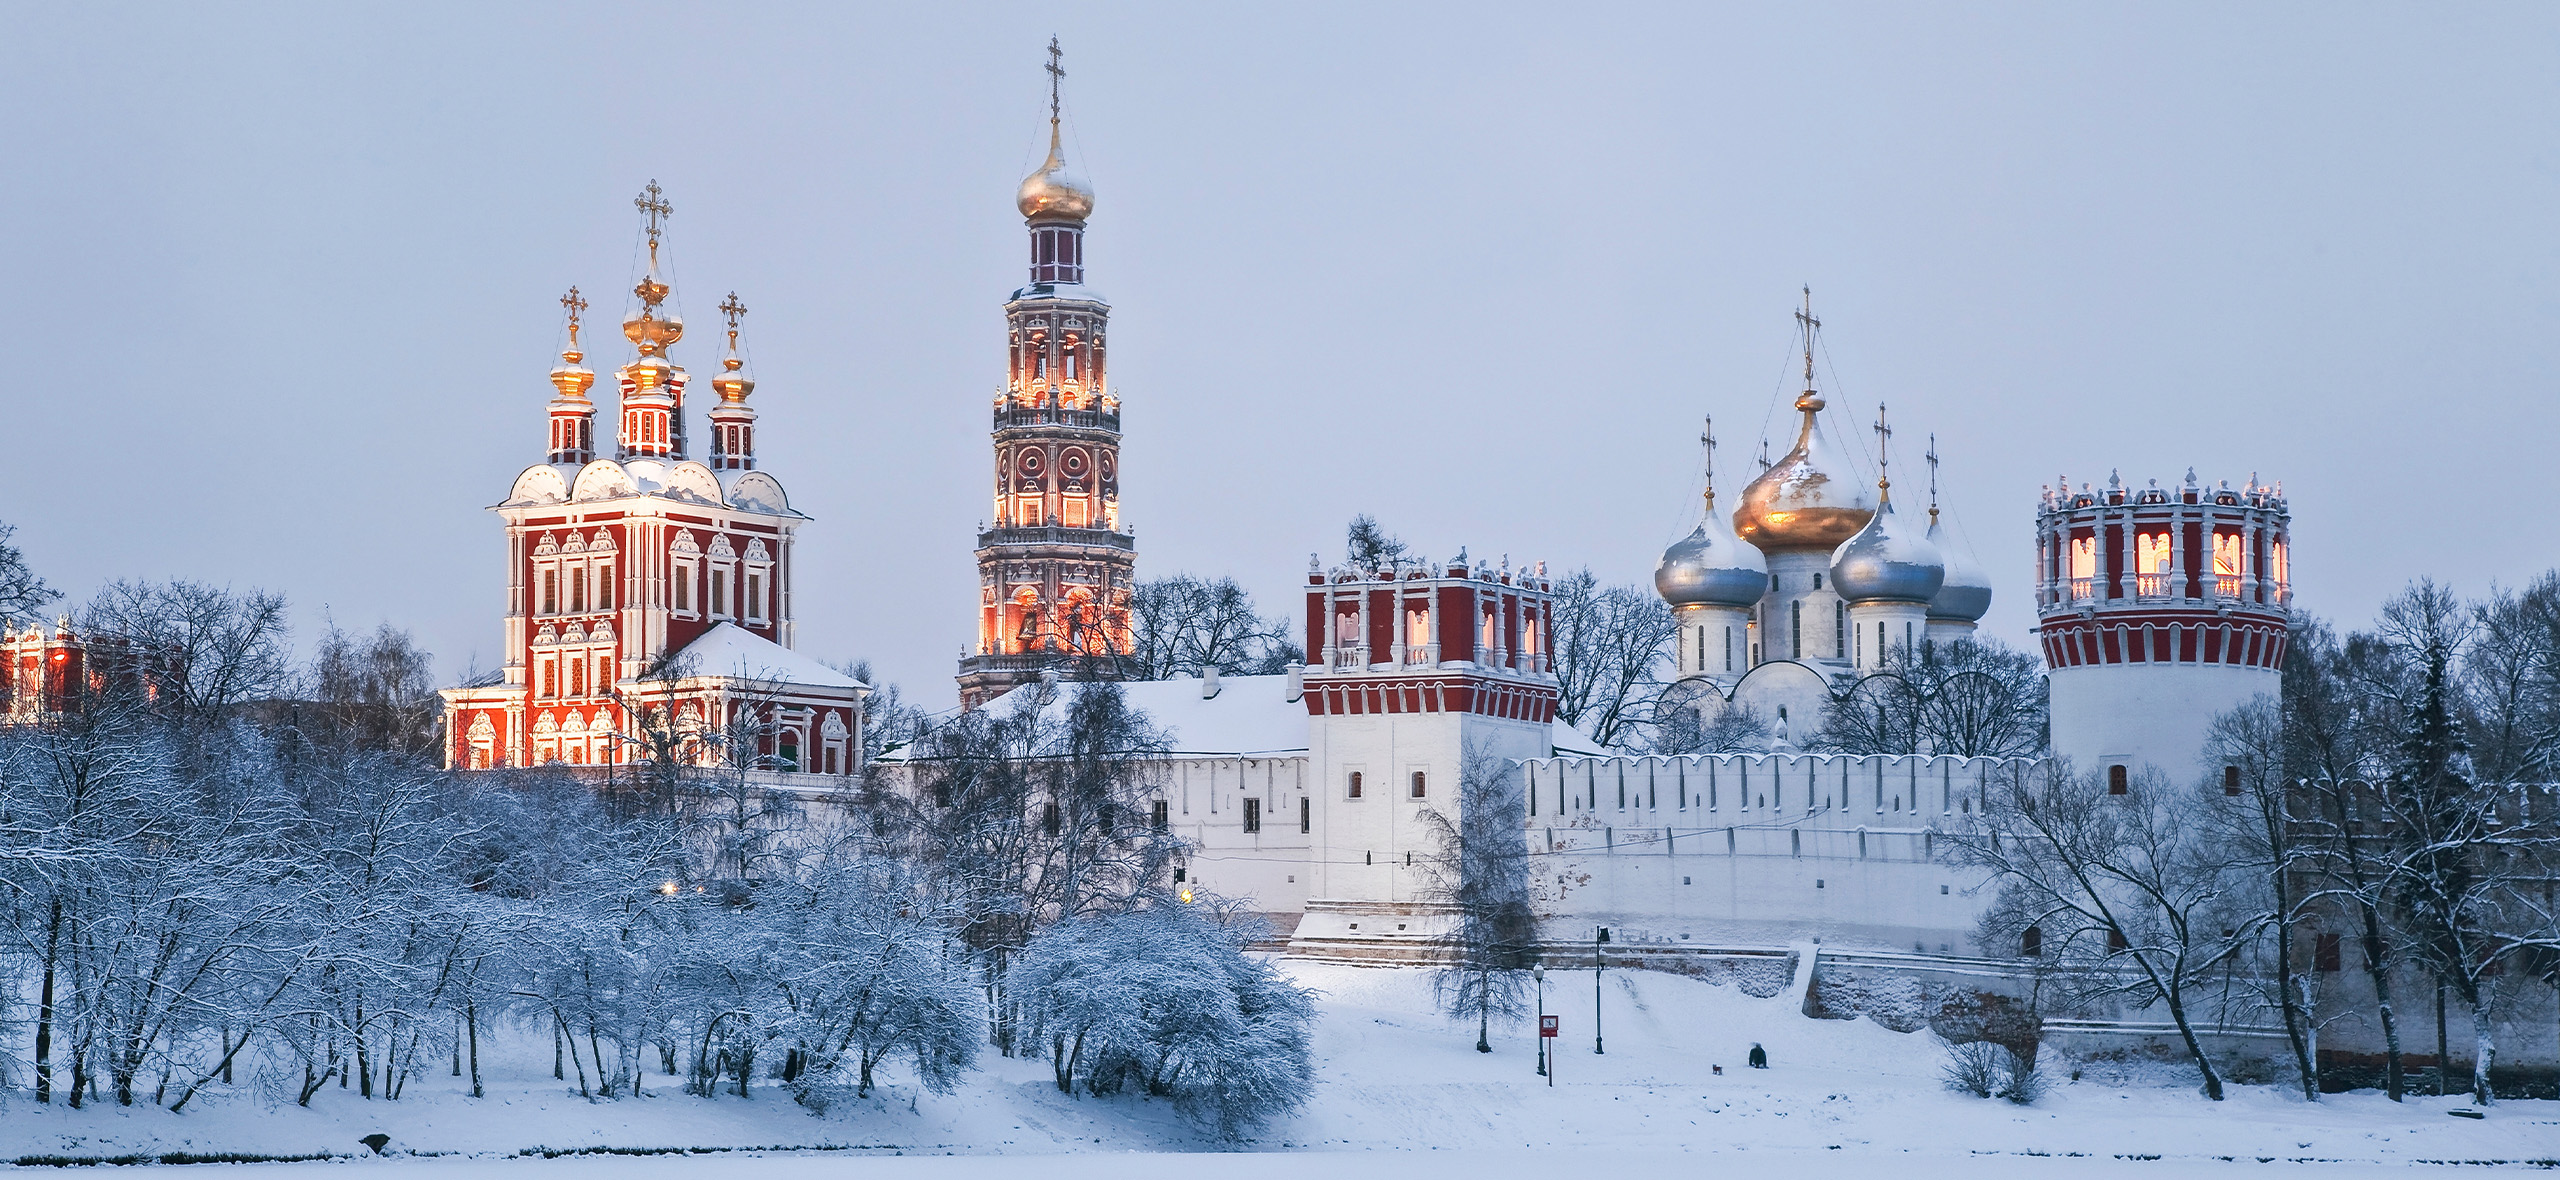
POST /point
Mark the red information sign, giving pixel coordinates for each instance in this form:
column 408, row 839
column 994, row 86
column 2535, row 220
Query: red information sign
column 1547, row 1026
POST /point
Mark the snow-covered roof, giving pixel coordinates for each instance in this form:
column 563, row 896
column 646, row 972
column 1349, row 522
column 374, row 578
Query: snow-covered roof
column 731, row 650
column 1250, row 715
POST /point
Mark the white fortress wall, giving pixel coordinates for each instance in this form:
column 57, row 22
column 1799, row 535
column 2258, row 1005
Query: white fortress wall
column 1758, row 849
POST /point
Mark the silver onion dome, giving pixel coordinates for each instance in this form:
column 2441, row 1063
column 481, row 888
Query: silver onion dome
column 1711, row 567
column 1966, row 594
column 1887, row 562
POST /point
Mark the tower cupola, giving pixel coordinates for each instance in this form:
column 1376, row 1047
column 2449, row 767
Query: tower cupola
column 573, row 417
column 1887, row 573
column 1966, row 594
column 1055, row 201
column 652, row 385
column 733, row 421
column 1712, row 580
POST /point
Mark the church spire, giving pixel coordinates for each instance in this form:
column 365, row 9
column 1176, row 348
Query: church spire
column 652, row 386
column 1055, row 201
column 733, row 422
column 573, row 417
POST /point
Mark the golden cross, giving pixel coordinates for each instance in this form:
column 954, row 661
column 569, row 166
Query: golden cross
column 1933, row 474
column 1056, row 74
column 733, row 309
column 575, row 304
column 653, row 202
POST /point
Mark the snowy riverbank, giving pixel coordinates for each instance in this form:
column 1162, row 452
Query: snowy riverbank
column 1392, row 1077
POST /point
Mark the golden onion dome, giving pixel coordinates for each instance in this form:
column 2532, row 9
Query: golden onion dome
column 734, row 386
column 1803, row 501
column 1052, row 191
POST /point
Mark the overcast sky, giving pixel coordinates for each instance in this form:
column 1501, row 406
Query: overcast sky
column 278, row 285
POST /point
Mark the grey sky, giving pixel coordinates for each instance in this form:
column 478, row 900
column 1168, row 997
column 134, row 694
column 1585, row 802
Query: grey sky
column 278, row 286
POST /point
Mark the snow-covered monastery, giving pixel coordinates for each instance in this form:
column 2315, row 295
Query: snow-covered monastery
column 651, row 590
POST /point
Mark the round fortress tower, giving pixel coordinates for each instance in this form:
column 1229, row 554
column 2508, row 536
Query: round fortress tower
column 2159, row 610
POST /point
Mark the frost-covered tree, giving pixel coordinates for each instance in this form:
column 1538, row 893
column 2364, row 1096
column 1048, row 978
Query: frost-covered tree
column 2258, row 825
column 869, row 971
column 2127, row 892
column 1032, row 810
column 1164, row 1000
column 1478, row 872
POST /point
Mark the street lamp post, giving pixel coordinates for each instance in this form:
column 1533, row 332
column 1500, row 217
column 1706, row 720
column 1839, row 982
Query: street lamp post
column 1538, row 971
column 1596, row 966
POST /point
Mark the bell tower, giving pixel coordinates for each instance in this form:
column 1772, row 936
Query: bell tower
column 1055, row 565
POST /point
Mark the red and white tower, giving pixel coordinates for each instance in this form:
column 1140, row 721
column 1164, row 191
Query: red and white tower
column 2160, row 610
column 1418, row 668
column 1056, row 567
column 649, row 587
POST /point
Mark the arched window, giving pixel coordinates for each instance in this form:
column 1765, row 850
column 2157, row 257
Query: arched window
column 1840, row 630
column 1417, row 784
column 2031, row 942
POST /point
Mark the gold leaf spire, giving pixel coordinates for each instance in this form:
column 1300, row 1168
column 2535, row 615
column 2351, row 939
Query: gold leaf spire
column 734, row 386
column 654, row 334
column 571, row 378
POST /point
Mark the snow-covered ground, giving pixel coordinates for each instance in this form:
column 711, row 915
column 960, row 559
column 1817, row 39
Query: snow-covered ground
column 1394, row 1077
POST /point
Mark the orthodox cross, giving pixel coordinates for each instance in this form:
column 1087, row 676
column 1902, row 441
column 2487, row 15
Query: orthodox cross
column 733, row 309
column 1810, row 325
column 1933, row 475
column 1884, row 435
column 1057, row 73
column 575, row 303
column 1707, row 438
column 653, row 202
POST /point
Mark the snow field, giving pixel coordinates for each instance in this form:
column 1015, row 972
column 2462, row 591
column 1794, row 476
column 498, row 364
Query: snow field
column 1392, row 1077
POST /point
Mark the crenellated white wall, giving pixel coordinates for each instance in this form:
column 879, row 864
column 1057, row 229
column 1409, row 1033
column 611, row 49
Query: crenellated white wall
column 1759, row 848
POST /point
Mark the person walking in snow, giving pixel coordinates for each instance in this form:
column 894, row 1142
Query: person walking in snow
column 1759, row 1056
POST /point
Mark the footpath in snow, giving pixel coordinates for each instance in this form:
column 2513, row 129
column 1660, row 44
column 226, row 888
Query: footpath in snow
column 1393, row 1076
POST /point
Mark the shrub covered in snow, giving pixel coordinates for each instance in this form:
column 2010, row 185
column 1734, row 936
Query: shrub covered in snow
column 1165, row 1000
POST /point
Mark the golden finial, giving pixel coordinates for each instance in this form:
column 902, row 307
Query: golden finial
column 571, row 378
column 732, row 384
column 733, row 309
column 652, row 289
column 576, row 304
column 652, row 201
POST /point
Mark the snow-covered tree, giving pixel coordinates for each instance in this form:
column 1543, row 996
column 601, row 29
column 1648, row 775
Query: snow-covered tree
column 1479, row 872
column 1164, row 1000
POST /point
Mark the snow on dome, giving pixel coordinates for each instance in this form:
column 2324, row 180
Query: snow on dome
column 1711, row 567
column 1802, row 501
column 1966, row 594
column 1887, row 562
